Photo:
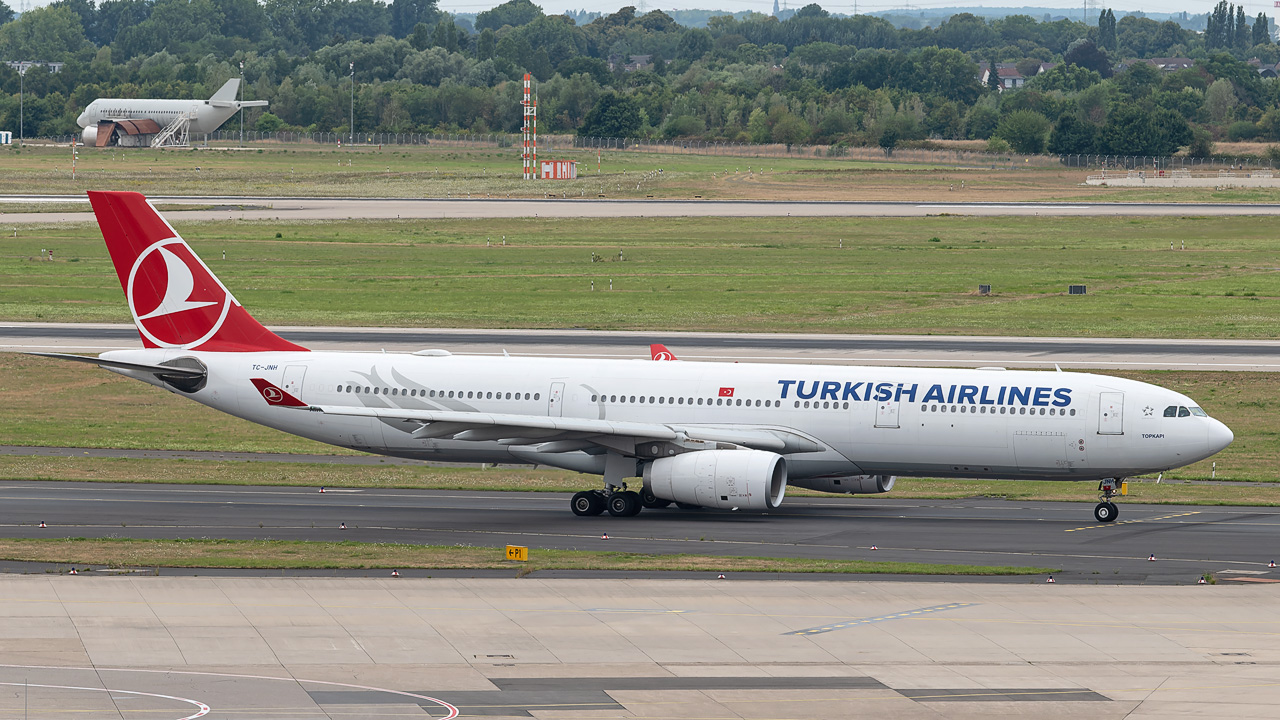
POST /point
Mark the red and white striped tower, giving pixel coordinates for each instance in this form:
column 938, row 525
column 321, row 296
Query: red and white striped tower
column 529, row 131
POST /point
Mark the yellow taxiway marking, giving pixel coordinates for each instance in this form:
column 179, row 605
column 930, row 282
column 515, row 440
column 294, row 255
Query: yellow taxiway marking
column 1130, row 522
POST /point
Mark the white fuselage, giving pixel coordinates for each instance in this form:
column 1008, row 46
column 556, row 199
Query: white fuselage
column 872, row 420
column 205, row 118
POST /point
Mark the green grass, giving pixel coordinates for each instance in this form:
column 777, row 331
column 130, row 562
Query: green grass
column 741, row 274
column 297, row 554
column 434, row 171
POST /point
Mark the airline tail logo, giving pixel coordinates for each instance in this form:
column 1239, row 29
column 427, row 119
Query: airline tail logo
column 176, row 302
column 175, row 299
column 274, row 395
column 658, row 351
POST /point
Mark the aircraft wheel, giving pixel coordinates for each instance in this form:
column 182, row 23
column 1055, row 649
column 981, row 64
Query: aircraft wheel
column 624, row 504
column 1105, row 512
column 649, row 500
column 688, row 506
column 587, row 503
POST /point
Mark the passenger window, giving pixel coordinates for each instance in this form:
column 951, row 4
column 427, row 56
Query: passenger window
column 797, row 403
column 699, row 401
column 1171, row 411
column 537, row 396
column 1073, row 412
column 1183, row 412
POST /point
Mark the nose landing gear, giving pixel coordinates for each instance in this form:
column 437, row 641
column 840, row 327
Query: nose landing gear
column 1106, row 511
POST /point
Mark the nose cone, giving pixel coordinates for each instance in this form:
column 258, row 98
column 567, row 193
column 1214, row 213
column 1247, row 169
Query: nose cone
column 1219, row 436
column 83, row 120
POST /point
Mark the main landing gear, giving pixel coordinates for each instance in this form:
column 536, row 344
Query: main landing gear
column 1106, row 511
column 620, row 502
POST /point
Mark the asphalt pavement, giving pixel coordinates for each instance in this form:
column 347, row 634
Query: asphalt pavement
column 1187, row 541
column 922, row 350
column 339, row 208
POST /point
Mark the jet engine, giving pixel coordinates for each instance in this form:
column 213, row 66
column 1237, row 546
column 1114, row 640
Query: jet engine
column 850, row 484
column 744, row 479
column 89, row 136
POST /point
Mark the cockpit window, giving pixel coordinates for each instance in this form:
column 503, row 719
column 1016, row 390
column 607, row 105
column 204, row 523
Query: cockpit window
column 1198, row 412
column 1183, row 412
column 1171, row 411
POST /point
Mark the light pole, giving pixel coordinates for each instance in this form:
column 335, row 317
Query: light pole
column 352, row 127
column 241, row 93
column 22, row 116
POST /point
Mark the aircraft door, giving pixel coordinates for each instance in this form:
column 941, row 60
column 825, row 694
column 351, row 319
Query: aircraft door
column 293, row 375
column 555, row 400
column 887, row 413
column 1111, row 413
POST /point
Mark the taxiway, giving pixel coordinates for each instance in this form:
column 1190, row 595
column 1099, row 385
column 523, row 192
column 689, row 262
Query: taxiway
column 346, row 208
column 920, row 350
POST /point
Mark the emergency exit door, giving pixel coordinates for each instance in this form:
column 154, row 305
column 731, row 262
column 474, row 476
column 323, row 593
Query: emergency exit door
column 293, row 375
column 887, row 414
column 555, row 400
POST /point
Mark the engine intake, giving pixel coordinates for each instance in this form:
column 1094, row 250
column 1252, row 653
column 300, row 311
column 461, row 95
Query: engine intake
column 745, row 479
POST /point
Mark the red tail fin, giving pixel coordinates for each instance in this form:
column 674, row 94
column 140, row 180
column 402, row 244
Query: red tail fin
column 174, row 297
column 658, row 351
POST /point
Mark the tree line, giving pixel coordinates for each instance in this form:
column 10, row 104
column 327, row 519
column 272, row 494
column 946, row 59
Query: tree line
column 812, row 78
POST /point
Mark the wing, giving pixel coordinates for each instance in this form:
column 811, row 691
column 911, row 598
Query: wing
column 557, row 434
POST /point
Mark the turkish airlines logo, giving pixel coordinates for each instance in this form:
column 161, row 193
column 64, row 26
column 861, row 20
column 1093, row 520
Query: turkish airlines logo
column 663, row 355
column 175, row 299
column 272, row 394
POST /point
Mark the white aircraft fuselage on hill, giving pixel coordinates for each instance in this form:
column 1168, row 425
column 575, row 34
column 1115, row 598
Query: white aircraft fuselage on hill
column 722, row 435
column 206, row 115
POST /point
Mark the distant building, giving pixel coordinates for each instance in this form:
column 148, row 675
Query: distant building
column 634, row 62
column 22, row 66
column 1007, row 73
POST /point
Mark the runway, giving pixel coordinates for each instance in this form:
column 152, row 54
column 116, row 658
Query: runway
column 895, row 350
column 1231, row 542
column 346, row 208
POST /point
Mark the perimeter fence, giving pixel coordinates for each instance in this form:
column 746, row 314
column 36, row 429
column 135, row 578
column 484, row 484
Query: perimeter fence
column 553, row 143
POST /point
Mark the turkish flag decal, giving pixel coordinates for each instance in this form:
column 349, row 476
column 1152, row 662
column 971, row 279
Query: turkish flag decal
column 726, row 392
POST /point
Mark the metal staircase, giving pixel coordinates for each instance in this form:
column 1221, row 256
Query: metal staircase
column 175, row 134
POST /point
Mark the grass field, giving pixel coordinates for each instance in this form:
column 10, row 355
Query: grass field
column 438, row 171
column 44, row 401
column 912, row 275
column 294, row 554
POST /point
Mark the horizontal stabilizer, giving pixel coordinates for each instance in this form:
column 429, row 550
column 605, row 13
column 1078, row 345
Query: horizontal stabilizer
column 234, row 104
column 121, row 365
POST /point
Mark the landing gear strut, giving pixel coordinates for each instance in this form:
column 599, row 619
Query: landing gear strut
column 1106, row 511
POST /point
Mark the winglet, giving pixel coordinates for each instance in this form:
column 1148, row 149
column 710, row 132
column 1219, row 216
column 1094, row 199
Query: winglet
column 658, row 351
column 274, row 395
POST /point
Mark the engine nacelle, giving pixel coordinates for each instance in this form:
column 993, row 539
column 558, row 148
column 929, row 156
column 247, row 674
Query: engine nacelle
column 89, row 135
column 850, row 484
column 744, row 479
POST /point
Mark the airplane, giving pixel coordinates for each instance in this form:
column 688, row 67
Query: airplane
column 658, row 351
column 699, row 434
column 105, row 118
